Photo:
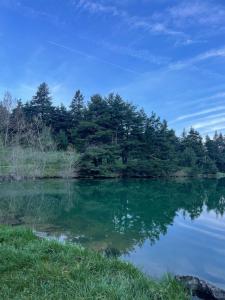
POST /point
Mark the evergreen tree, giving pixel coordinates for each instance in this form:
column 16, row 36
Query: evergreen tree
column 62, row 140
column 61, row 119
column 77, row 108
column 61, row 126
column 112, row 136
column 216, row 150
column 41, row 105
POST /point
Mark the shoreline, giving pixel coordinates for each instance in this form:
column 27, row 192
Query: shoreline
column 32, row 255
column 37, row 268
column 27, row 178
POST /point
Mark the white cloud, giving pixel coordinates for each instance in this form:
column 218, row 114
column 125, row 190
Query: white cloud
column 199, row 113
column 133, row 21
column 173, row 21
column 199, row 58
column 208, row 123
column 218, row 95
column 213, row 129
column 197, row 12
column 95, row 7
column 199, row 19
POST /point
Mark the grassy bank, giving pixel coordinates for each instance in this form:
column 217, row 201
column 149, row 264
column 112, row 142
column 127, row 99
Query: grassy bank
column 20, row 163
column 31, row 268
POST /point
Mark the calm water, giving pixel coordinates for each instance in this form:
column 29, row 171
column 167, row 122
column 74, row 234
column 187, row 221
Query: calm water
column 160, row 226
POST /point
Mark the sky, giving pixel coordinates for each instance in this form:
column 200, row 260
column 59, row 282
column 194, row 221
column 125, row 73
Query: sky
column 166, row 56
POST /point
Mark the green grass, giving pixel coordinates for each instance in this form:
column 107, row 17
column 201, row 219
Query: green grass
column 31, row 268
column 20, row 163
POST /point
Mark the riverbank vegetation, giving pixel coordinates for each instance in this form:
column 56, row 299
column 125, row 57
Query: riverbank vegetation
column 18, row 162
column 105, row 137
column 31, row 268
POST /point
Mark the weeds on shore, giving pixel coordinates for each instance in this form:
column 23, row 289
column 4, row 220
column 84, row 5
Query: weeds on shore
column 32, row 268
column 19, row 163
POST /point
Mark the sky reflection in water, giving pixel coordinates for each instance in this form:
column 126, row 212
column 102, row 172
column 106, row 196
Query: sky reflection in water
column 159, row 225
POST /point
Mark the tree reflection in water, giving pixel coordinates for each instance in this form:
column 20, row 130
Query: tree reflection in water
column 102, row 214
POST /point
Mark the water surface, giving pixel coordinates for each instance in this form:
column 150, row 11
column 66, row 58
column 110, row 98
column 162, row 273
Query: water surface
column 160, row 226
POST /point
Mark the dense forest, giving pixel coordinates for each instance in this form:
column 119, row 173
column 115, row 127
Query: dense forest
column 110, row 136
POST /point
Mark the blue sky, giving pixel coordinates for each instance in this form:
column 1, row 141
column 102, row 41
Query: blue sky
column 166, row 56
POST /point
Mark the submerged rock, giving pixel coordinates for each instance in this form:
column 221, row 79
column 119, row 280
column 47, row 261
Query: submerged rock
column 201, row 288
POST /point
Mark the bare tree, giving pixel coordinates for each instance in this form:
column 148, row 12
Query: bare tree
column 5, row 110
column 18, row 126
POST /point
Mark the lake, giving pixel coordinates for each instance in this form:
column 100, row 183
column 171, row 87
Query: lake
column 160, row 226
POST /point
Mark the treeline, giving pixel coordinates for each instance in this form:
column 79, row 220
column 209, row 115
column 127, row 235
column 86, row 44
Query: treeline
column 112, row 136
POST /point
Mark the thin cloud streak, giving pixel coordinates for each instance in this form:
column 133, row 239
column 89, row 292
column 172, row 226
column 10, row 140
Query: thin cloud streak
column 89, row 56
column 158, row 27
column 203, row 99
column 200, row 100
column 201, row 57
column 140, row 54
column 199, row 113
column 137, row 53
column 198, row 12
column 213, row 116
column 133, row 21
column 214, row 129
column 208, row 123
column 207, row 16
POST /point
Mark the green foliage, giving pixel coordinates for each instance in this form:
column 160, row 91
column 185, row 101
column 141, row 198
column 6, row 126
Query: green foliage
column 113, row 137
column 61, row 121
column 99, row 161
column 62, row 140
column 41, row 105
column 216, row 150
column 77, row 108
column 31, row 268
column 196, row 155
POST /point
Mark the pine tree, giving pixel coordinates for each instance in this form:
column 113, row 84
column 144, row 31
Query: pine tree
column 112, row 136
column 77, row 108
column 41, row 104
column 218, row 151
